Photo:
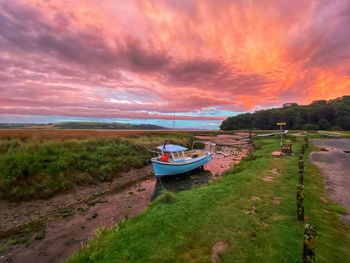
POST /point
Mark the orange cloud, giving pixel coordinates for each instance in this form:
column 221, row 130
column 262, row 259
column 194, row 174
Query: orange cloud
column 161, row 56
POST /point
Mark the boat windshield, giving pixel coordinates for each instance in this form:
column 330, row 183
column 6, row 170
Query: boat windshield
column 178, row 155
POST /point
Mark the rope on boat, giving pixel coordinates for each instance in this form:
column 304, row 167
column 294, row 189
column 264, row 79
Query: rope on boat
column 161, row 184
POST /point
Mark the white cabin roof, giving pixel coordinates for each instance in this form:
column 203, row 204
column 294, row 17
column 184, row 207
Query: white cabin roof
column 171, row 148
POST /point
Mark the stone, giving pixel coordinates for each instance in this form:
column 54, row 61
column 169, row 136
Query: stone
column 40, row 235
column 218, row 248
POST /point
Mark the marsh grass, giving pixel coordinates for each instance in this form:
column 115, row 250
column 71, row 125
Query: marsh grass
column 39, row 168
column 255, row 229
column 166, row 197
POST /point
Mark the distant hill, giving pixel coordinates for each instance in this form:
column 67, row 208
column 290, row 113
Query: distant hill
column 319, row 115
column 81, row 125
column 25, row 125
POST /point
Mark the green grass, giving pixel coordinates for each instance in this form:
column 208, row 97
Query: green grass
column 39, row 168
column 256, row 229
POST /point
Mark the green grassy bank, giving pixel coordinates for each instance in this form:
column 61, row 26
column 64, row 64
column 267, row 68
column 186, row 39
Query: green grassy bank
column 255, row 217
column 39, row 168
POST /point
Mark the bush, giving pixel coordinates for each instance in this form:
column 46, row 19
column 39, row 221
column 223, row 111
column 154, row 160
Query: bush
column 51, row 166
column 311, row 127
column 32, row 167
column 167, row 197
column 336, row 128
column 324, row 124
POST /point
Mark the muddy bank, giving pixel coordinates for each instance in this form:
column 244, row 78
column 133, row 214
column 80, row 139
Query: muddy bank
column 334, row 162
column 51, row 230
column 238, row 139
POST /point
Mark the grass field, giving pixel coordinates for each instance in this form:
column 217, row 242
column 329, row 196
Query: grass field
column 39, row 165
column 256, row 218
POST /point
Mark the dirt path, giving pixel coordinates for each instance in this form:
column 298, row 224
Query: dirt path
column 51, row 230
column 334, row 163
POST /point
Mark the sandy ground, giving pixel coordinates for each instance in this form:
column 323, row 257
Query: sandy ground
column 334, row 163
column 70, row 219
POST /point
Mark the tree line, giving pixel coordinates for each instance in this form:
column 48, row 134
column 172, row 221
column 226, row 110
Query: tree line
column 319, row 115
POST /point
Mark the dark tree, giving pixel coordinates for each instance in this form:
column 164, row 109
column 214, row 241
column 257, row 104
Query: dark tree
column 320, row 114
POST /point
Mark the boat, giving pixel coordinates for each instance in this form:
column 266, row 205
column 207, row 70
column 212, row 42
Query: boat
column 176, row 159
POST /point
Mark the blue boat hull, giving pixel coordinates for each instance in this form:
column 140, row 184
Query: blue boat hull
column 164, row 169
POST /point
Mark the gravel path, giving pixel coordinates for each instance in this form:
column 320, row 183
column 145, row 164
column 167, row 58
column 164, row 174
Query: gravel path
column 334, row 163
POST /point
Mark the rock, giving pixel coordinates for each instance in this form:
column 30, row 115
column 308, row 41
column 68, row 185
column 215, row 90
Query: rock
column 277, row 200
column 219, row 247
column 81, row 209
column 94, row 201
column 94, row 215
column 40, row 236
column 255, row 198
column 252, row 210
column 267, row 178
column 275, row 171
column 276, row 153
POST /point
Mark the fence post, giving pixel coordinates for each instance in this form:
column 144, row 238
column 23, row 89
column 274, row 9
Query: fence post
column 301, row 169
column 306, row 142
column 309, row 246
column 302, row 149
column 301, row 176
column 301, row 161
column 300, row 202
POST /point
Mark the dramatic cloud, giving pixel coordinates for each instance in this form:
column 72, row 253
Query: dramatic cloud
column 148, row 59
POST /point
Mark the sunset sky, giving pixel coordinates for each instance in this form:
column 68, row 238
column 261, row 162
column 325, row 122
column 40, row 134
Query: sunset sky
column 141, row 61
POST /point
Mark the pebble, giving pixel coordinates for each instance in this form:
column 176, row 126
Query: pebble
column 94, row 215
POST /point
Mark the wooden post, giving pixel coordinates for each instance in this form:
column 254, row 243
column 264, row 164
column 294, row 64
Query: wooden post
column 301, row 169
column 302, row 149
column 306, row 142
column 300, row 202
column 301, row 176
column 309, row 247
column 301, row 162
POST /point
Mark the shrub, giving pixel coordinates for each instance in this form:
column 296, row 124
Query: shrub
column 167, row 197
column 336, row 128
column 34, row 166
column 311, row 127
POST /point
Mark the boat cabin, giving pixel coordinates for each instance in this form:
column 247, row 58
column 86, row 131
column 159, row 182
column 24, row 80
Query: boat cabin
column 173, row 152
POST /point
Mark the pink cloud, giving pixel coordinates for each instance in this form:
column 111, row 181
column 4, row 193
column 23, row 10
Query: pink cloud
column 147, row 59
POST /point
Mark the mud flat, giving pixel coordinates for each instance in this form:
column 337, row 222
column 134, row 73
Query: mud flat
column 51, row 230
column 333, row 160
